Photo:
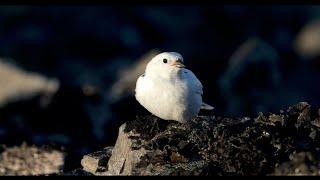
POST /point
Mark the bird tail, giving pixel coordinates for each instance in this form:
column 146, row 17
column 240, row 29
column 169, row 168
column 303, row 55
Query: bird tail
column 206, row 106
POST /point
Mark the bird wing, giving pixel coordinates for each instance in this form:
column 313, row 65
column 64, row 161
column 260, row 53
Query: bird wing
column 198, row 88
column 196, row 84
column 206, row 106
column 139, row 80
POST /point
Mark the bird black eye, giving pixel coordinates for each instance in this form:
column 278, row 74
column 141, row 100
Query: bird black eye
column 165, row 60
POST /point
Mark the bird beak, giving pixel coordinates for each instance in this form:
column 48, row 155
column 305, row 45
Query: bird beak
column 178, row 63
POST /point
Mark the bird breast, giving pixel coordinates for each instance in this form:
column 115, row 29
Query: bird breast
column 169, row 100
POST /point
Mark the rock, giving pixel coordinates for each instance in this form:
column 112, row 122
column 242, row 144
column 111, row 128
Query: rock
column 126, row 81
column 302, row 110
column 316, row 122
column 30, row 160
column 97, row 161
column 124, row 160
column 307, row 42
column 211, row 145
column 302, row 164
column 177, row 169
column 76, row 172
column 143, row 150
column 17, row 84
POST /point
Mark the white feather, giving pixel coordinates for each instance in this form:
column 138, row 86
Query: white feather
column 169, row 92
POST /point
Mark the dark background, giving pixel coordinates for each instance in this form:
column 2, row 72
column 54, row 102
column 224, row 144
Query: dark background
column 88, row 45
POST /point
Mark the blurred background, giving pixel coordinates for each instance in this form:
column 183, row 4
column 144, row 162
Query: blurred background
column 67, row 74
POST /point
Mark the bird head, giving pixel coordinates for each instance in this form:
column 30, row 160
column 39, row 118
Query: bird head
column 165, row 64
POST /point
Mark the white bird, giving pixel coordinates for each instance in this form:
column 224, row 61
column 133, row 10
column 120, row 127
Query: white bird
column 168, row 90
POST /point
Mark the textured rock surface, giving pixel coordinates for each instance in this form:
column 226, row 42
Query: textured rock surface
column 303, row 163
column 97, row 161
column 124, row 159
column 29, row 160
column 285, row 143
column 76, row 172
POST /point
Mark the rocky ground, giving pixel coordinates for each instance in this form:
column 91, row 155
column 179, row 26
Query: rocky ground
column 30, row 160
column 284, row 143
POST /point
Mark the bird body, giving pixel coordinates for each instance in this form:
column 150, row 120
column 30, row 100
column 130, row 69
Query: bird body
column 168, row 90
